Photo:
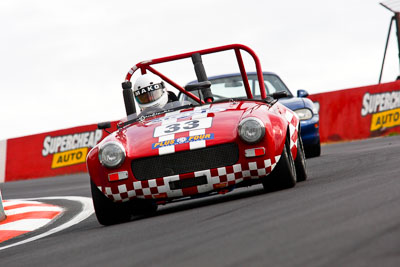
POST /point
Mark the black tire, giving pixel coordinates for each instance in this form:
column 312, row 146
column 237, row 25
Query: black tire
column 300, row 162
column 313, row 150
column 284, row 174
column 107, row 211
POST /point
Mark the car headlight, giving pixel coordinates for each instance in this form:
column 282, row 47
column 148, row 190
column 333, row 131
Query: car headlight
column 112, row 154
column 304, row 114
column 251, row 130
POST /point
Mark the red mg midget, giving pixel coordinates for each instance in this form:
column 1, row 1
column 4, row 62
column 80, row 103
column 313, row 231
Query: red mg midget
column 183, row 150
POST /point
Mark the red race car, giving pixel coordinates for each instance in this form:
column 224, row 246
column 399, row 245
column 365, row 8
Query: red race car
column 180, row 150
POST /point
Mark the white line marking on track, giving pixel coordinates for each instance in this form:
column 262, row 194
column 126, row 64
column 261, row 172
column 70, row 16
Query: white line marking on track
column 18, row 201
column 87, row 210
column 29, row 209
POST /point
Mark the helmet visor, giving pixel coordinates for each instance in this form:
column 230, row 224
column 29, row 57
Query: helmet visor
column 149, row 93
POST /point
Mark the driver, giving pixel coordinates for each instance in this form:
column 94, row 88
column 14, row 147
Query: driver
column 150, row 92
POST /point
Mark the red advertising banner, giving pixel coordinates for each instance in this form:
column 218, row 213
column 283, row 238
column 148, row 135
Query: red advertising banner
column 50, row 154
column 359, row 113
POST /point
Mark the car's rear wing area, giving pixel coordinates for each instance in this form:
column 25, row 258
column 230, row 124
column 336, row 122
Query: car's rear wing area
column 201, row 75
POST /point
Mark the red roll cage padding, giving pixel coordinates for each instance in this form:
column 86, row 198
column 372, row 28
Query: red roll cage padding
column 146, row 65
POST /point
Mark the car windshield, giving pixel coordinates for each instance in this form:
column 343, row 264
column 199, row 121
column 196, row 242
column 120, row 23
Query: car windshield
column 233, row 86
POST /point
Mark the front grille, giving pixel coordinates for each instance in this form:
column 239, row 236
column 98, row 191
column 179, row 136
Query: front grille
column 185, row 183
column 185, row 161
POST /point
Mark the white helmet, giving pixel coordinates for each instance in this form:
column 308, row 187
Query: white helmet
column 149, row 92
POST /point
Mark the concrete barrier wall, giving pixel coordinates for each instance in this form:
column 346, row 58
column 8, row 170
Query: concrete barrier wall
column 3, row 149
column 359, row 113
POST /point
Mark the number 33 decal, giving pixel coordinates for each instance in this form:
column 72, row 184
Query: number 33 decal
column 183, row 126
column 187, row 125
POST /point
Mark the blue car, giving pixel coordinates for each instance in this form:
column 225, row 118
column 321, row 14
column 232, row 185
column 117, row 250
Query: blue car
column 231, row 86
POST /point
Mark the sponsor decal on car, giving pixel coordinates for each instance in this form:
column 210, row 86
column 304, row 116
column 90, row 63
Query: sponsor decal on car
column 183, row 140
column 70, row 149
column 384, row 107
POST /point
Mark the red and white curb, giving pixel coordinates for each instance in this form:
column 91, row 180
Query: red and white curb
column 26, row 215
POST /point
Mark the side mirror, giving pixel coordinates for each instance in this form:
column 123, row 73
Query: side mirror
column 104, row 126
column 280, row 94
column 198, row 86
column 302, row 93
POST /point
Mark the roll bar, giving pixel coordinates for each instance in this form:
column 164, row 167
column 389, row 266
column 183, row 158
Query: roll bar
column 145, row 66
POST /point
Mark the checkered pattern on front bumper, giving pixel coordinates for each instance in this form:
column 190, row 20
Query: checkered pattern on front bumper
column 216, row 178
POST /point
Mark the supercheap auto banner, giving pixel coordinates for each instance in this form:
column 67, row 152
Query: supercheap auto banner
column 359, row 113
column 50, row 154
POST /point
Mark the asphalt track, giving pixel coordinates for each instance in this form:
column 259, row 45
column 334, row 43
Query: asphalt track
column 346, row 214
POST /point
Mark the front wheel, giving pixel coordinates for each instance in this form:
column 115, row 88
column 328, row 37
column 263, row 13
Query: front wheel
column 107, row 211
column 284, row 175
column 300, row 162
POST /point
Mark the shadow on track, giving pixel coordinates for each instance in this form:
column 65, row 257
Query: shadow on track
column 189, row 204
